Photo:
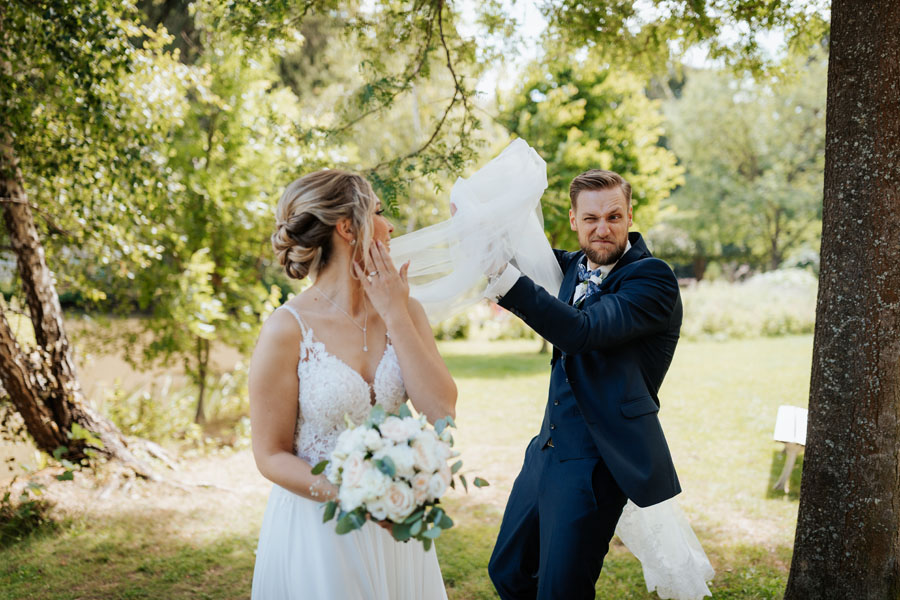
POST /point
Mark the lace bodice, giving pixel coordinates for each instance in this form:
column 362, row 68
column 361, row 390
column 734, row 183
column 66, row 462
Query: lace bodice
column 330, row 388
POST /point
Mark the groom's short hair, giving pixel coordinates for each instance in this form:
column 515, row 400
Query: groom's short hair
column 598, row 179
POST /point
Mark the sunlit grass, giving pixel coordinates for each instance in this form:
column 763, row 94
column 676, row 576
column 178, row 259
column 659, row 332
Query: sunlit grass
column 719, row 404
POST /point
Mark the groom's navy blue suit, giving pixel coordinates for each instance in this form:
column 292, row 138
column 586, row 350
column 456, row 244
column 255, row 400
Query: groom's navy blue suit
column 600, row 442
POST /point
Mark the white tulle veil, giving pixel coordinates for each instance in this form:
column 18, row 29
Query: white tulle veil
column 498, row 220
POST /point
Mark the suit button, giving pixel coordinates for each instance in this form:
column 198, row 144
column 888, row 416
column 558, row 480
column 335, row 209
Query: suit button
column 552, row 426
column 556, row 403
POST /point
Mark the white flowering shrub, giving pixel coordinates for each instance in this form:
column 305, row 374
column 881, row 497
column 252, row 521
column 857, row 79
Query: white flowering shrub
column 776, row 303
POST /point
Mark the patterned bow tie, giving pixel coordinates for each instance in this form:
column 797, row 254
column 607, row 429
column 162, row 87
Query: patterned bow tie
column 588, row 284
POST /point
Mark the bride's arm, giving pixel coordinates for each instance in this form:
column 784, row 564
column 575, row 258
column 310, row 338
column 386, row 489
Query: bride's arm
column 428, row 381
column 273, row 410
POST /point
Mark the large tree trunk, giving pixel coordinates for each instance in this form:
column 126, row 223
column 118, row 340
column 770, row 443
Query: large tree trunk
column 848, row 531
column 41, row 382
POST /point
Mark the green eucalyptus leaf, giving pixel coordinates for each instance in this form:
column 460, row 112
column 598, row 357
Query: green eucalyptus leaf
column 416, row 527
column 320, row 467
column 330, row 509
column 479, row 482
column 432, row 533
column 426, row 543
column 404, row 411
column 456, row 466
column 377, row 415
column 401, row 531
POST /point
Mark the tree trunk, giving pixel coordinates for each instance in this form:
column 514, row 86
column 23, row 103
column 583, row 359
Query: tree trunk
column 42, row 383
column 848, row 531
column 202, row 368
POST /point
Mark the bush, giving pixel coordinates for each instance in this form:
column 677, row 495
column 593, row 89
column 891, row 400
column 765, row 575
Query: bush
column 776, row 303
column 163, row 413
column 24, row 515
column 483, row 321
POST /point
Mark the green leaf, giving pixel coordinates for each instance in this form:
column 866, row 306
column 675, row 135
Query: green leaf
column 456, row 466
column 377, row 415
column 401, row 531
column 320, row 466
column 462, row 479
column 416, row 527
column 426, row 543
column 330, row 509
column 445, row 522
column 386, row 465
column 60, row 450
column 450, row 421
column 404, row 411
column 479, row 482
column 433, row 533
column 439, row 426
column 66, row 476
column 350, row 521
column 415, row 516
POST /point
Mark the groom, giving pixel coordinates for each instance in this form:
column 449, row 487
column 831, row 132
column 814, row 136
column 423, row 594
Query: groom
column 614, row 328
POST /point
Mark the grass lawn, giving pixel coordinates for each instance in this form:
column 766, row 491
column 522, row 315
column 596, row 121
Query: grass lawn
column 718, row 409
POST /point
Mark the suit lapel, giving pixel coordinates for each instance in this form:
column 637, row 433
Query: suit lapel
column 567, row 289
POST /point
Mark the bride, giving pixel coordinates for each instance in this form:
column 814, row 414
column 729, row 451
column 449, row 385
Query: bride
column 352, row 340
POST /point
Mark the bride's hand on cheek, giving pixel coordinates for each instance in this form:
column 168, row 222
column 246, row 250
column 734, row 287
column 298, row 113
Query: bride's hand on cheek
column 386, row 287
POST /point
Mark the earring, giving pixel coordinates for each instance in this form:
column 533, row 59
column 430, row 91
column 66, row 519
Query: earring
column 353, row 242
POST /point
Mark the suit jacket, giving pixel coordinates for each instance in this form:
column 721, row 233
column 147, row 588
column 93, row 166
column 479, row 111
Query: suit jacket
column 615, row 351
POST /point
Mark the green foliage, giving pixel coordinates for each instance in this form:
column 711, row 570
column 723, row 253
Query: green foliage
column 653, row 35
column 483, row 321
column 584, row 114
column 163, row 412
column 754, row 151
column 21, row 517
column 776, row 303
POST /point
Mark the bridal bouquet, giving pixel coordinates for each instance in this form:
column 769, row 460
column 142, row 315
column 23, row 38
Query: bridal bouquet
column 394, row 467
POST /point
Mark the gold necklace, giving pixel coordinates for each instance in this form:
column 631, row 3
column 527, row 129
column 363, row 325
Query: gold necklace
column 365, row 324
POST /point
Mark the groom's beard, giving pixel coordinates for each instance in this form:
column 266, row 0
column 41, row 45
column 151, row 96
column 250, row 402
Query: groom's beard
column 605, row 257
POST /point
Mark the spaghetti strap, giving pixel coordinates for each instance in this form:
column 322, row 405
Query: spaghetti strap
column 303, row 327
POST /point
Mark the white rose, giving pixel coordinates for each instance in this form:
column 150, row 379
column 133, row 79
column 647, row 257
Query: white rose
column 437, row 485
column 354, row 468
column 403, row 457
column 393, row 429
column 373, row 484
column 350, row 497
column 399, row 430
column 372, row 440
column 377, row 509
column 399, row 501
column 420, row 483
column 424, row 451
column 349, row 441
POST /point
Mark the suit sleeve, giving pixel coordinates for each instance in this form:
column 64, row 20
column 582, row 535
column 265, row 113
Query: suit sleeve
column 642, row 305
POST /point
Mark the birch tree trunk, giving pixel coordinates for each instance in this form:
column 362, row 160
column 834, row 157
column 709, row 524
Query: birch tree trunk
column 848, row 532
column 41, row 382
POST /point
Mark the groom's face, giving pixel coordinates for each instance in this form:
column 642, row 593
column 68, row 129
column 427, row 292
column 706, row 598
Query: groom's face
column 601, row 219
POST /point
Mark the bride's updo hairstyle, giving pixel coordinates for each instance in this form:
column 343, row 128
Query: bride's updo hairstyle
column 309, row 210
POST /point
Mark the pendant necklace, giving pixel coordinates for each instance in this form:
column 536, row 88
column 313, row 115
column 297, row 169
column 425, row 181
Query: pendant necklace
column 362, row 328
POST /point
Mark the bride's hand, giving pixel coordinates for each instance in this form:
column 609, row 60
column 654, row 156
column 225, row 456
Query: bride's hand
column 386, row 287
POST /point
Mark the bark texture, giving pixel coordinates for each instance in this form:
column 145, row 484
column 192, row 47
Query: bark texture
column 42, row 382
column 848, row 532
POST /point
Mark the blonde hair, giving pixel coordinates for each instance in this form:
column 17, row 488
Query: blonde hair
column 598, row 179
column 309, row 210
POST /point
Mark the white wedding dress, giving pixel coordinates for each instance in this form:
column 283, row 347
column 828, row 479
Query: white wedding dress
column 299, row 556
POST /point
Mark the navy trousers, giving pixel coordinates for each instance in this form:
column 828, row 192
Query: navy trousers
column 556, row 529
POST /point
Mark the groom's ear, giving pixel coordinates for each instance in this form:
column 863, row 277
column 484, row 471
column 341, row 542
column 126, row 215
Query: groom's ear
column 572, row 219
